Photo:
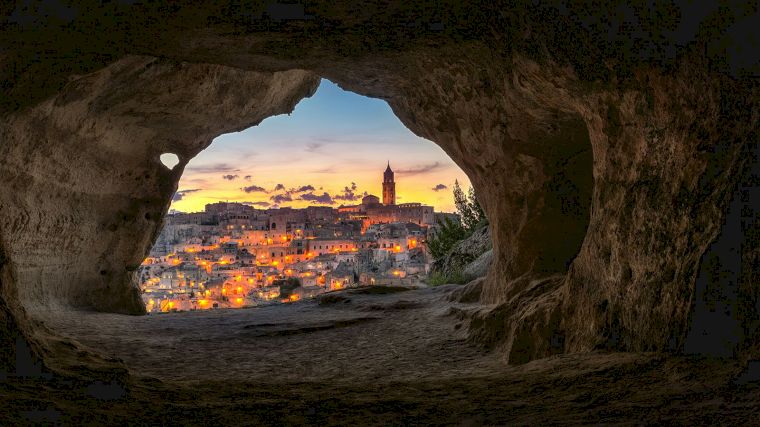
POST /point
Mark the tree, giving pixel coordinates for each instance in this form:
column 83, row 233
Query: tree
column 468, row 208
column 449, row 233
column 475, row 208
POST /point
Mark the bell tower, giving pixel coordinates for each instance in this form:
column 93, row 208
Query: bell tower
column 389, row 187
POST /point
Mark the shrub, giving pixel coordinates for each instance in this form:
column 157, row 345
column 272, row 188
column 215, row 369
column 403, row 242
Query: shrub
column 436, row 278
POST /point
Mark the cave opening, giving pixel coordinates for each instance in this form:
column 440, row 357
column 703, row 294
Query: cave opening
column 287, row 210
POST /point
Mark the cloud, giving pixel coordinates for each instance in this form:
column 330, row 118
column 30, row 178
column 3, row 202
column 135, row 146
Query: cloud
column 230, row 177
column 349, row 193
column 181, row 193
column 315, row 198
column 247, row 177
column 280, row 198
column 314, row 146
column 329, row 169
column 420, row 170
column 254, row 189
column 302, row 189
column 262, row 204
column 278, row 187
column 439, row 187
column 213, row 168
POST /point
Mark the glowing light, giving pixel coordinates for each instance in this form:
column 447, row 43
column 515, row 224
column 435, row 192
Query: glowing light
column 239, row 300
column 293, row 297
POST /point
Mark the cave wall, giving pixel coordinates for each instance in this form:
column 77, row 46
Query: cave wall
column 85, row 191
column 605, row 175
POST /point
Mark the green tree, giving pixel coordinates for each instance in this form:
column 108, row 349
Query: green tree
column 477, row 211
column 448, row 234
column 468, row 208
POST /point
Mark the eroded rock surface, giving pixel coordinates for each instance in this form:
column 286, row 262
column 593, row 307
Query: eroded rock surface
column 605, row 166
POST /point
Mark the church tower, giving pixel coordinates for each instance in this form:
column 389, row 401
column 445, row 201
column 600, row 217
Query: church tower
column 389, row 187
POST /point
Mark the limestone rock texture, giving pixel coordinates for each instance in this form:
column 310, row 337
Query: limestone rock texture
column 606, row 162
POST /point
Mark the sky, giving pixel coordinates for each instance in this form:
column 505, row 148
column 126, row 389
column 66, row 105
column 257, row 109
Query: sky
column 329, row 151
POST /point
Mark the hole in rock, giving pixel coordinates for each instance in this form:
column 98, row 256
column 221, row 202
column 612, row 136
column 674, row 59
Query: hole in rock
column 338, row 194
column 170, row 160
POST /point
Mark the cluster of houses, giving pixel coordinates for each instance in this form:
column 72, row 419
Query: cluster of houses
column 233, row 255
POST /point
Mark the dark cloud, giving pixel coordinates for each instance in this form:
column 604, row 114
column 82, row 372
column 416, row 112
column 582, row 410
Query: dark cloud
column 420, row 170
column 314, row 146
column 302, row 189
column 254, row 189
column 181, row 193
column 247, row 177
column 262, row 204
column 230, row 177
column 315, row 198
column 278, row 187
column 280, row 198
column 439, row 187
column 349, row 193
column 213, row 168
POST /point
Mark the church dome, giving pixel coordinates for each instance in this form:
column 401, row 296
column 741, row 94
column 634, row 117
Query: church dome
column 370, row 200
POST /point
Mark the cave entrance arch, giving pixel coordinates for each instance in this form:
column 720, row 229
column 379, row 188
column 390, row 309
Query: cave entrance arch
column 271, row 204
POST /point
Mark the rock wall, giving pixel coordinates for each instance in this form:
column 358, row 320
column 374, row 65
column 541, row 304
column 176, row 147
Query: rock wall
column 606, row 169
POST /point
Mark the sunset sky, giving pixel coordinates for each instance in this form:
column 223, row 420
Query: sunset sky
column 330, row 151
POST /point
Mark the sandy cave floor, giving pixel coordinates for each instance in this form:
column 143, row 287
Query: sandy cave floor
column 381, row 337
column 364, row 359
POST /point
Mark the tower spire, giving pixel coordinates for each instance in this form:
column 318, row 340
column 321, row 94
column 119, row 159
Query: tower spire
column 389, row 187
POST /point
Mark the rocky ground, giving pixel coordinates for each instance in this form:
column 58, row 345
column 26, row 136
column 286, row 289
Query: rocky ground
column 389, row 357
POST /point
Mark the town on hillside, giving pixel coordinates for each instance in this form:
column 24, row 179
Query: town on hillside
column 232, row 255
